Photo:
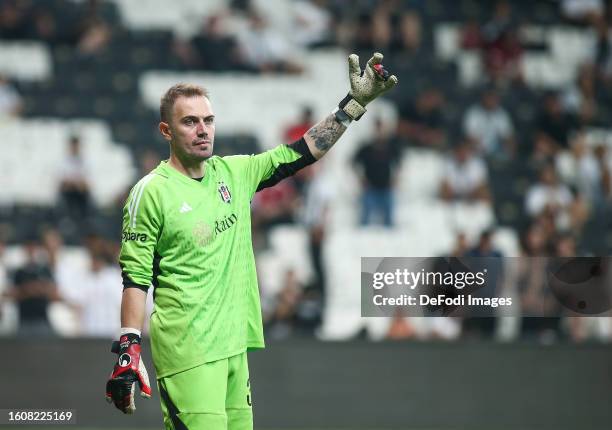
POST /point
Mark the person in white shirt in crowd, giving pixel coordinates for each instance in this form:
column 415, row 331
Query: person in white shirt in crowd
column 583, row 11
column 550, row 197
column 73, row 183
column 265, row 49
column 11, row 104
column 320, row 193
column 490, row 127
column 99, row 299
column 465, row 176
column 588, row 169
column 312, row 22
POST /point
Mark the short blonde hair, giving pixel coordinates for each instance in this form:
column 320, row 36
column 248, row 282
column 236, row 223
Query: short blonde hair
column 179, row 90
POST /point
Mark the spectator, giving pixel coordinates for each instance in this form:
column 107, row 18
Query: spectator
column 44, row 27
column 3, row 269
column 372, row 31
column 484, row 257
column 265, row 49
column 539, row 308
column 583, row 11
column 554, row 124
column 498, row 43
column 411, row 35
column 400, row 327
column 295, row 131
column 214, row 48
column 580, row 327
column 93, row 30
column 581, row 100
column 381, row 30
column 485, row 247
column 95, row 37
column 99, row 298
column 604, row 163
column 74, row 186
column 586, row 170
column 490, row 126
column 319, row 195
column 361, row 33
column 421, row 122
column 284, row 316
column 63, row 268
column 465, row 176
column 501, row 46
column 148, row 161
column 33, row 290
column 551, row 198
column 377, row 163
column 275, row 205
column 461, row 245
column 312, row 23
column 11, row 104
column 14, row 20
column 603, row 55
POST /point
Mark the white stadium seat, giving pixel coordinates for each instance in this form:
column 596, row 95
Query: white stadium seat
column 43, row 143
column 25, row 60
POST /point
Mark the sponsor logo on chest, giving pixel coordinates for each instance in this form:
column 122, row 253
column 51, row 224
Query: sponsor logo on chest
column 204, row 234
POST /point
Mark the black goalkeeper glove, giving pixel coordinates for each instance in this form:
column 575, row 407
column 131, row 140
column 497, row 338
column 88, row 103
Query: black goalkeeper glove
column 128, row 371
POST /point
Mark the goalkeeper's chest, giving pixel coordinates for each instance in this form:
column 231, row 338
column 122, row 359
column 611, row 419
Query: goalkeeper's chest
column 204, row 215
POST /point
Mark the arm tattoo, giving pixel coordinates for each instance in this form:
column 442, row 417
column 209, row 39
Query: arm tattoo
column 326, row 133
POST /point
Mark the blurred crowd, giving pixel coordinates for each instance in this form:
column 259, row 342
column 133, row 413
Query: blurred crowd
column 497, row 129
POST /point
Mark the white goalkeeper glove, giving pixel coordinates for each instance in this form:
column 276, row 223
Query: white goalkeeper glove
column 366, row 85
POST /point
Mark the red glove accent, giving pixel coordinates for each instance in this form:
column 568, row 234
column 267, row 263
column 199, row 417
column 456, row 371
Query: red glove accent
column 128, row 371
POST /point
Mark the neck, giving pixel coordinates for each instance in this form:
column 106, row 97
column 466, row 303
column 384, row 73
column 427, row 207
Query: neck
column 191, row 169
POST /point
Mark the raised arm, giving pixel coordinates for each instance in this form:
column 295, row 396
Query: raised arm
column 366, row 85
column 322, row 136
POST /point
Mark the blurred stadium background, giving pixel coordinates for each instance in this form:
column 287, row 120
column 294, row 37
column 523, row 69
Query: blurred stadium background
column 497, row 142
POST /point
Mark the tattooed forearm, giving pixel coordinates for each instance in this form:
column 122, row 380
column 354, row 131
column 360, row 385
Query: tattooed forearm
column 322, row 136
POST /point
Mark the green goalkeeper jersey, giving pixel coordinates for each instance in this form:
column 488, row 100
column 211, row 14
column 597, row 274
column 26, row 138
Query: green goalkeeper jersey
column 191, row 240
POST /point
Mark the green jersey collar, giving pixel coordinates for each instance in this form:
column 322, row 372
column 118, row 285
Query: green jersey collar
column 167, row 170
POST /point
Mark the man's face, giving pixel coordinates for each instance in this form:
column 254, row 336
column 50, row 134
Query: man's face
column 490, row 100
column 191, row 129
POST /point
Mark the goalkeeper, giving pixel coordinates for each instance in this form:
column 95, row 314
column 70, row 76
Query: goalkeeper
column 187, row 232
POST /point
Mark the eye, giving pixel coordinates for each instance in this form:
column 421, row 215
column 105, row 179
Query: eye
column 189, row 121
column 210, row 120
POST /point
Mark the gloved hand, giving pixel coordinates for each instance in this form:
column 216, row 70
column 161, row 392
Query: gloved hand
column 366, row 85
column 128, row 371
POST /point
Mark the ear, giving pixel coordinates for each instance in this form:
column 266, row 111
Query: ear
column 164, row 129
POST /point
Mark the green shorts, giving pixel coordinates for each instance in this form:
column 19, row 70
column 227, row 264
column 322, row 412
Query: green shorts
column 213, row 396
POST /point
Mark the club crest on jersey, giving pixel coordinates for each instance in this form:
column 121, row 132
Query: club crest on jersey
column 224, row 192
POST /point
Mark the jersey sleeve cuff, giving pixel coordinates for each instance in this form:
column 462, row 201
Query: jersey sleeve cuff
column 128, row 283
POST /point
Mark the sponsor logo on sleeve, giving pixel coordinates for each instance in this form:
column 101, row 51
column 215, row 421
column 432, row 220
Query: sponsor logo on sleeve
column 133, row 236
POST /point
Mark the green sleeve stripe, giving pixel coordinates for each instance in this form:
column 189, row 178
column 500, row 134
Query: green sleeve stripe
column 136, row 196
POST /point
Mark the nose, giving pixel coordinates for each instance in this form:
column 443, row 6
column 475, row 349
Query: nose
column 201, row 129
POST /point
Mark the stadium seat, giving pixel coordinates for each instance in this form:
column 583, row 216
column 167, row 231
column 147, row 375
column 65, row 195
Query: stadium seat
column 290, row 245
column 25, row 60
column 23, row 140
